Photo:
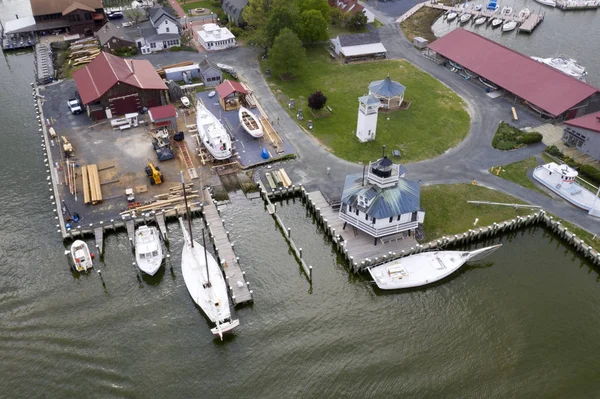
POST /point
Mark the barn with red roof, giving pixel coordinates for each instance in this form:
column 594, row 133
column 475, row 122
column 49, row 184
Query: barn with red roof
column 550, row 93
column 231, row 94
column 119, row 85
column 583, row 133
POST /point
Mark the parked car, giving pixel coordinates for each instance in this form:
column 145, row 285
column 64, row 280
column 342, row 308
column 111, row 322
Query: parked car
column 114, row 15
column 74, row 106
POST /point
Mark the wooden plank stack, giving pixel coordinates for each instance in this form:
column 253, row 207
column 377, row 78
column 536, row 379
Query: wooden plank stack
column 92, row 193
column 83, row 51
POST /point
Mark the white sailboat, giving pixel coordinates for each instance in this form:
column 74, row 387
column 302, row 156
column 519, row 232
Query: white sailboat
column 549, row 3
column 250, row 122
column 451, row 16
column 507, row 27
column 524, row 13
column 424, row 268
column 212, row 134
column 80, row 253
column 506, row 10
column 480, row 20
column 496, row 22
column 204, row 280
column 465, row 17
column 148, row 249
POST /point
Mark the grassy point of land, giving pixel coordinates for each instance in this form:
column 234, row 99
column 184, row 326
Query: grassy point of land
column 435, row 121
column 419, row 24
column 447, row 210
column 517, row 173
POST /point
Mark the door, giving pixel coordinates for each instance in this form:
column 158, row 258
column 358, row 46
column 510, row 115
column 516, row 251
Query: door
column 125, row 104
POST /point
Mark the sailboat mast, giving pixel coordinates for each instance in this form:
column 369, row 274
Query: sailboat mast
column 187, row 209
column 205, row 258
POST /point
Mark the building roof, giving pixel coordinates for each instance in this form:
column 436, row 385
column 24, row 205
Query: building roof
column 44, row 7
column 369, row 100
column 539, row 84
column 162, row 112
column 77, row 6
column 589, row 122
column 213, row 32
column 158, row 14
column 19, row 25
column 359, row 39
column 387, row 202
column 234, row 7
column 386, row 88
column 205, row 65
column 363, row 49
column 110, row 30
column 106, row 70
column 228, row 87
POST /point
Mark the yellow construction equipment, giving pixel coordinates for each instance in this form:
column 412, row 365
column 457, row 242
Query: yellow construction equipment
column 153, row 173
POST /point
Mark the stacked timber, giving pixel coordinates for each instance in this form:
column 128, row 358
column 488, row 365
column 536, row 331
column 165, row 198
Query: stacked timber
column 177, row 191
column 92, row 193
column 83, row 51
column 160, row 205
column 285, row 179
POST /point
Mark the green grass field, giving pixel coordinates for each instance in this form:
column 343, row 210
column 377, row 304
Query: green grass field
column 435, row 121
column 211, row 5
column 517, row 173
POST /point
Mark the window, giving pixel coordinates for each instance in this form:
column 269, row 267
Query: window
column 391, row 219
column 356, row 211
column 398, row 218
column 88, row 16
column 166, row 22
column 414, row 217
column 152, row 45
column 374, row 220
column 167, row 29
column 366, row 217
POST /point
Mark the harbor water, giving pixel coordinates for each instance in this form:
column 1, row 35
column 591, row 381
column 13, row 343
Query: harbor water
column 569, row 33
column 524, row 322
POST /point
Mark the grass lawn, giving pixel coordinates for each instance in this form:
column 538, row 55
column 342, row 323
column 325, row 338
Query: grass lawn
column 447, row 211
column 419, row 24
column 517, row 173
column 335, row 30
column 435, row 121
column 586, row 236
column 377, row 24
column 214, row 6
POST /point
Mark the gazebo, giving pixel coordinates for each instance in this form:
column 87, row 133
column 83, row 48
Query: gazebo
column 388, row 92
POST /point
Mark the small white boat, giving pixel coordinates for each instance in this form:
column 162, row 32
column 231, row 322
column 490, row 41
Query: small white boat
column 524, row 13
column 507, row 27
column 148, row 249
column 496, row 22
column 424, row 268
column 451, row 16
column 488, row 84
column 212, row 134
column 465, row 17
column 82, row 259
column 478, row 7
column 480, row 20
column 506, row 10
column 250, row 122
column 212, row 93
column 566, row 65
column 549, row 3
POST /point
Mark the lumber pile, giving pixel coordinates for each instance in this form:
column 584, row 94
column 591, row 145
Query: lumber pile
column 177, row 191
column 161, row 204
column 92, row 193
column 83, row 51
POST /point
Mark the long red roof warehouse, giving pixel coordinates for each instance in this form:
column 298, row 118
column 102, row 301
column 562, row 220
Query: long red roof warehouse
column 537, row 83
column 106, row 70
column 589, row 122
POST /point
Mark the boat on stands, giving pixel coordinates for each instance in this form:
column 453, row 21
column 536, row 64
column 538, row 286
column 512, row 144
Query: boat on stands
column 451, row 16
column 496, row 22
column 465, row 18
column 510, row 25
column 204, row 280
column 424, row 268
column 82, row 258
column 549, row 3
column 480, row 20
column 148, row 249
column 566, row 65
column 524, row 13
column 562, row 179
column 250, row 122
column 212, row 134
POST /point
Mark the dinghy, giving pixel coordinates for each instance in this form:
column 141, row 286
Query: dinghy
column 250, row 122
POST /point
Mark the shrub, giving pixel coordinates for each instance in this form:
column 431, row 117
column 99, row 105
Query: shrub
column 317, row 101
column 554, row 151
column 175, row 48
column 531, row 137
column 590, row 173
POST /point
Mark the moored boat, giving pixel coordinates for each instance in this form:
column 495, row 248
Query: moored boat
column 507, row 27
column 424, row 268
column 451, row 16
column 524, row 13
column 549, row 3
column 496, row 22
column 148, row 249
column 465, row 17
column 566, row 65
column 478, row 7
column 80, row 253
column 250, row 122
column 480, row 20
column 212, row 134
column 506, row 10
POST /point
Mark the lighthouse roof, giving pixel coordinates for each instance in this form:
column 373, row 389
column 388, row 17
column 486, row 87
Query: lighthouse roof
column 386, row 88
column 368, row 100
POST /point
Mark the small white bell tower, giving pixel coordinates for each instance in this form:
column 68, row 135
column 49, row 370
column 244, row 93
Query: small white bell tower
column 368, row 107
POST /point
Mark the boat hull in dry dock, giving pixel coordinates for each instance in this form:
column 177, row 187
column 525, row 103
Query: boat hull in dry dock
column 424, row 268
column 213, row 135
column 250, row 123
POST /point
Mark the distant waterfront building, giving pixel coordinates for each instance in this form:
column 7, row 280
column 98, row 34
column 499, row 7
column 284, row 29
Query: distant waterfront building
column 366, row 126
column 583, row 133
column 389, row 93
column 381, row 202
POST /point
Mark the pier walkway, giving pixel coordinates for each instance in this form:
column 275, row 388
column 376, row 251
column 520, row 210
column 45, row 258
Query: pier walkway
column 236, row 279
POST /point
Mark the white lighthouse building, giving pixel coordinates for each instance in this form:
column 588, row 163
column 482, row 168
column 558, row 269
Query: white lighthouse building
column 367, row 118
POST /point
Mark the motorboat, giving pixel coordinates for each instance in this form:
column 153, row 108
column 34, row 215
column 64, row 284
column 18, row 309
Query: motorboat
column 212, row 134
column 524, row 13
column 465, row 17
column 250, row 122
column 506, row 10
column 496, row 22
column 492, row 5
column 562, row 179
column 212, row 93
column 549, row 3
column 424, row 268
column 478, row 7
column 148, row 249
column 451, row 16
column 480, row 20
column 566, row 65
column 204, row 279
column 82, row 259
column 455, row 65
column 507, row 27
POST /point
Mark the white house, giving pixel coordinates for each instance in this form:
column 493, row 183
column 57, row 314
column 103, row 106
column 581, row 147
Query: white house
column 382, row 202
column 358, row 46
column 214, row 37
column 161, row 32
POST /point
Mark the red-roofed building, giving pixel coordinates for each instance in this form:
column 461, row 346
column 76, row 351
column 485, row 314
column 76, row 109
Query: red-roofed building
column 119, row 85
column 352, row 6
column 165, row 115
column 583, row 133
column 231, row 94
column 73, row 16
column 550, row 93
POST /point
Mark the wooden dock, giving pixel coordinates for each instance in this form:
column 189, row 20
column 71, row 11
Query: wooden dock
column 99, row 238
column 236, row 279
column 162, row 226
column 475, row 14
column 187, row 159
column 130, row 226
column 531, row 23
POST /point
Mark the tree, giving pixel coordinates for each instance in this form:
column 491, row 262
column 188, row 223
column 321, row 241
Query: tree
column 135, row 15
column 287, row 56
column 336, row 16
column 317, row 100
column 186, row 39
column 313, row 26
column 358, row 21
column 280, row 18
column 255, row 14
column 320, row 5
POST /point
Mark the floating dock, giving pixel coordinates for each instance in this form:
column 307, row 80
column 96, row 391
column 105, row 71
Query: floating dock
column 531, row 23
column 576, row 5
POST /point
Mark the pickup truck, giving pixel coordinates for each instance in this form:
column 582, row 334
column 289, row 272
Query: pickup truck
column 74, row 106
